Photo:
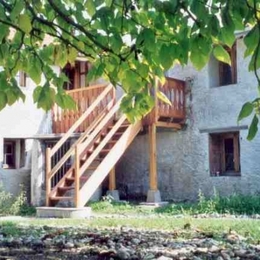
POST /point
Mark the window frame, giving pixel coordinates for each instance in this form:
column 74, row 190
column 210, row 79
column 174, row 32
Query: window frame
column 5, row 154
column 18, row 153
column 22, row 78
column 222, row 164
column 233, row 57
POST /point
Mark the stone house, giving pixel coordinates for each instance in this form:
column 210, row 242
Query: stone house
column 197, row 141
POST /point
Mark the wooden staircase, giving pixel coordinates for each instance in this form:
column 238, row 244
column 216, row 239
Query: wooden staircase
column 74, row 175
column 93, row 155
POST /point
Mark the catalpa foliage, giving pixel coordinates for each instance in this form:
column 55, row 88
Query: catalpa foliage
column 128, row 42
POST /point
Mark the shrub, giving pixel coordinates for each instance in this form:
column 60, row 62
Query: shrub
column 10, row 205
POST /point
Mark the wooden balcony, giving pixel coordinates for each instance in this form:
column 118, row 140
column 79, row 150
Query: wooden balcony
column 166, row 115
column 163, row 114
column 62, row 120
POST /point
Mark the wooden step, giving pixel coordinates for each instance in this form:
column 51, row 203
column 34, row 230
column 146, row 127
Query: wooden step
column 65, row 188
column 104, row 151
column 122, row 126
column 56, row 198
column 82, row 178
column 109, row 142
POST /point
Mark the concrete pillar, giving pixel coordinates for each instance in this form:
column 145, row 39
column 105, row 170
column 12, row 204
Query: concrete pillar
column 37, row 173
column 1, row 152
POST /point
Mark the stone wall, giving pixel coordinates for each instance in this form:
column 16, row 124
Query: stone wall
column 183, row 156
column 14, row 181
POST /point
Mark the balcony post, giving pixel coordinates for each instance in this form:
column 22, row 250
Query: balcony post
column 153, row 195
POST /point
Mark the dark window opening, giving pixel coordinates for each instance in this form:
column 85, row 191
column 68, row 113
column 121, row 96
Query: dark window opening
column 9, row 154
column 14, row 153
column 224, row 154
column 229, row 154
column 227, row 73
column 76, row 74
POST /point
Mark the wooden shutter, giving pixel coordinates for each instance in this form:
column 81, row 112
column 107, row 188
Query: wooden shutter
column 233, row 55
column 216, row 154
column 22, row 79
column 236, row 152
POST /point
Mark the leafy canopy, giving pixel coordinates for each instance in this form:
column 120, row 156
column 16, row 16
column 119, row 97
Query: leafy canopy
column 129, row 42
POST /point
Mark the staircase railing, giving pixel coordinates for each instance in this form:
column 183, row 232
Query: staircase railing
column 63, row 119
column 96, row 111
column 85, row 191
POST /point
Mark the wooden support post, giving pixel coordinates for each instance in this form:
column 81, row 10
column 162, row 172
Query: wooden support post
column 112, row 179
column 77, row 177
column 153, row 157
column 156, row 117
column 47, row 173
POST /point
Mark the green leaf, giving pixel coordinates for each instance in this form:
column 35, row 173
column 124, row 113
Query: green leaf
column 72, row 55
column 227, row 36
column 221, row 54
column 18, row 7
column 166, row 56
column 65, row 101
column 198, row 59
column 163, row 97
column 36, row 93
column 251, row 41
column 25, row 23
column 3, row 100
column 90, row 6
column 35, row 71
column 46, row 97
column 246, row 111
column 253, row 128
column 11, row 97
column 200, row 51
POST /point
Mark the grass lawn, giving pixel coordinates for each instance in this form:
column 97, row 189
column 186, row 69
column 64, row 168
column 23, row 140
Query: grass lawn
column 248, row 228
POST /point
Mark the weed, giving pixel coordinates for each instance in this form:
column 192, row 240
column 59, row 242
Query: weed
column 10, row 205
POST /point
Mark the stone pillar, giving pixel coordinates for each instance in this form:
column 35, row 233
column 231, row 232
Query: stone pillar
column 37, row 173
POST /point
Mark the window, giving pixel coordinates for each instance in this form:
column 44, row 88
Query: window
column 9, row 154
column 227, row 73
column 14, row 153
column 76, row 75
column 222, row 74
column 22, row 79
column 224, row 154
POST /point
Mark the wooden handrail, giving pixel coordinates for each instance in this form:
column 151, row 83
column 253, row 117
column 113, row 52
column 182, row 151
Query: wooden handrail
column 80, row 120
column 97, row 150
column 87, row 88
column 101, row 126
column 71, row 151
column 108, row 162
column 101, row 106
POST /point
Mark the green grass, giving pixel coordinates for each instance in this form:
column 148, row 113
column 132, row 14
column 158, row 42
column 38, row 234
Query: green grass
column 235, row 204
column 245, row 227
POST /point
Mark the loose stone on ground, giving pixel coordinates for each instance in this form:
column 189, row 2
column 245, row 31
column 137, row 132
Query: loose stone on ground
column 124, row 243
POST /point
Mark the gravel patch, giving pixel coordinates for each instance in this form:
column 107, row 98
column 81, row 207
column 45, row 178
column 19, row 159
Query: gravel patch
column 122, row 243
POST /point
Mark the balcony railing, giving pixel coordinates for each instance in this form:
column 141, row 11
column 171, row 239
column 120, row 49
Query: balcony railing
column 63, row 119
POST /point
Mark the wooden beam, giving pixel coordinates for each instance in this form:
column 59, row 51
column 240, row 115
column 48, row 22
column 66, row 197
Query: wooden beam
column 153, row 157
column 112, row 179
column 48, row 178
column 77, row 181
column 169, row 125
